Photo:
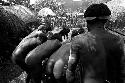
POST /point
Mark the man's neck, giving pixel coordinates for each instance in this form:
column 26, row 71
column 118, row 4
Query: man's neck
column 96, row 26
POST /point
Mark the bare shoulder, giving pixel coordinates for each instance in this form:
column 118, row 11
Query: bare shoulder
column 117, row 36
column 80, row 36
column 84, row 39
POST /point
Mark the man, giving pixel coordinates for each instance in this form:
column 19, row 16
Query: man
column 48, row 23
column 74, row 33
column 98, row 50
column 64, row 32
column 25, row 46
column 81, row 30
column 56, row 63
column 36, row 56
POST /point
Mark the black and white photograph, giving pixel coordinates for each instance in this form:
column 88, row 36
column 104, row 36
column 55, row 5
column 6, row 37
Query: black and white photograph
column 62, row 41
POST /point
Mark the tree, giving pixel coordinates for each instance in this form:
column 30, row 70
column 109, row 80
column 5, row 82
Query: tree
column 20, row 2
column 86, row 3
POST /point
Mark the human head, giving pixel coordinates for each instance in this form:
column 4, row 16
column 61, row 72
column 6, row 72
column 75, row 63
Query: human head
column 74, row 33
column 48, row 16
column 56, row 36
column 97, row 13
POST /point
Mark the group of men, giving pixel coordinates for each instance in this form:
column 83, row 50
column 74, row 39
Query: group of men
column 100, row 52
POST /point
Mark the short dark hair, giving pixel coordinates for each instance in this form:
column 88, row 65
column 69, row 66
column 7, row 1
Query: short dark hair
column 97, row 10
column 56, row 36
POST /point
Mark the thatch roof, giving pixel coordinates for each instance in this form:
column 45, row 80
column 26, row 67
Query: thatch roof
column 11, row 30
column 10, row 22
column 22, row 12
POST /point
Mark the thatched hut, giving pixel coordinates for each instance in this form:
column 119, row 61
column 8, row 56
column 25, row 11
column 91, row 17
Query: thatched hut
column 12, row 29
column 22, row 12
column 25, row 14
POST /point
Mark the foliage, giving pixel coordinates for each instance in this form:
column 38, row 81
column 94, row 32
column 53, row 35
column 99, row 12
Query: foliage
column 20, row 2
column 117, row 15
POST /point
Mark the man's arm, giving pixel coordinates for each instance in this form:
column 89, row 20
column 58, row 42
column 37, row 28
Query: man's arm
column 73, row 58
column 122, row 54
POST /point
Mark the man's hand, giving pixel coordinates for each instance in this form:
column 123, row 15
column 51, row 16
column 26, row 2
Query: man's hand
column 33, row 34
column 64, row 38
column 70, row 76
